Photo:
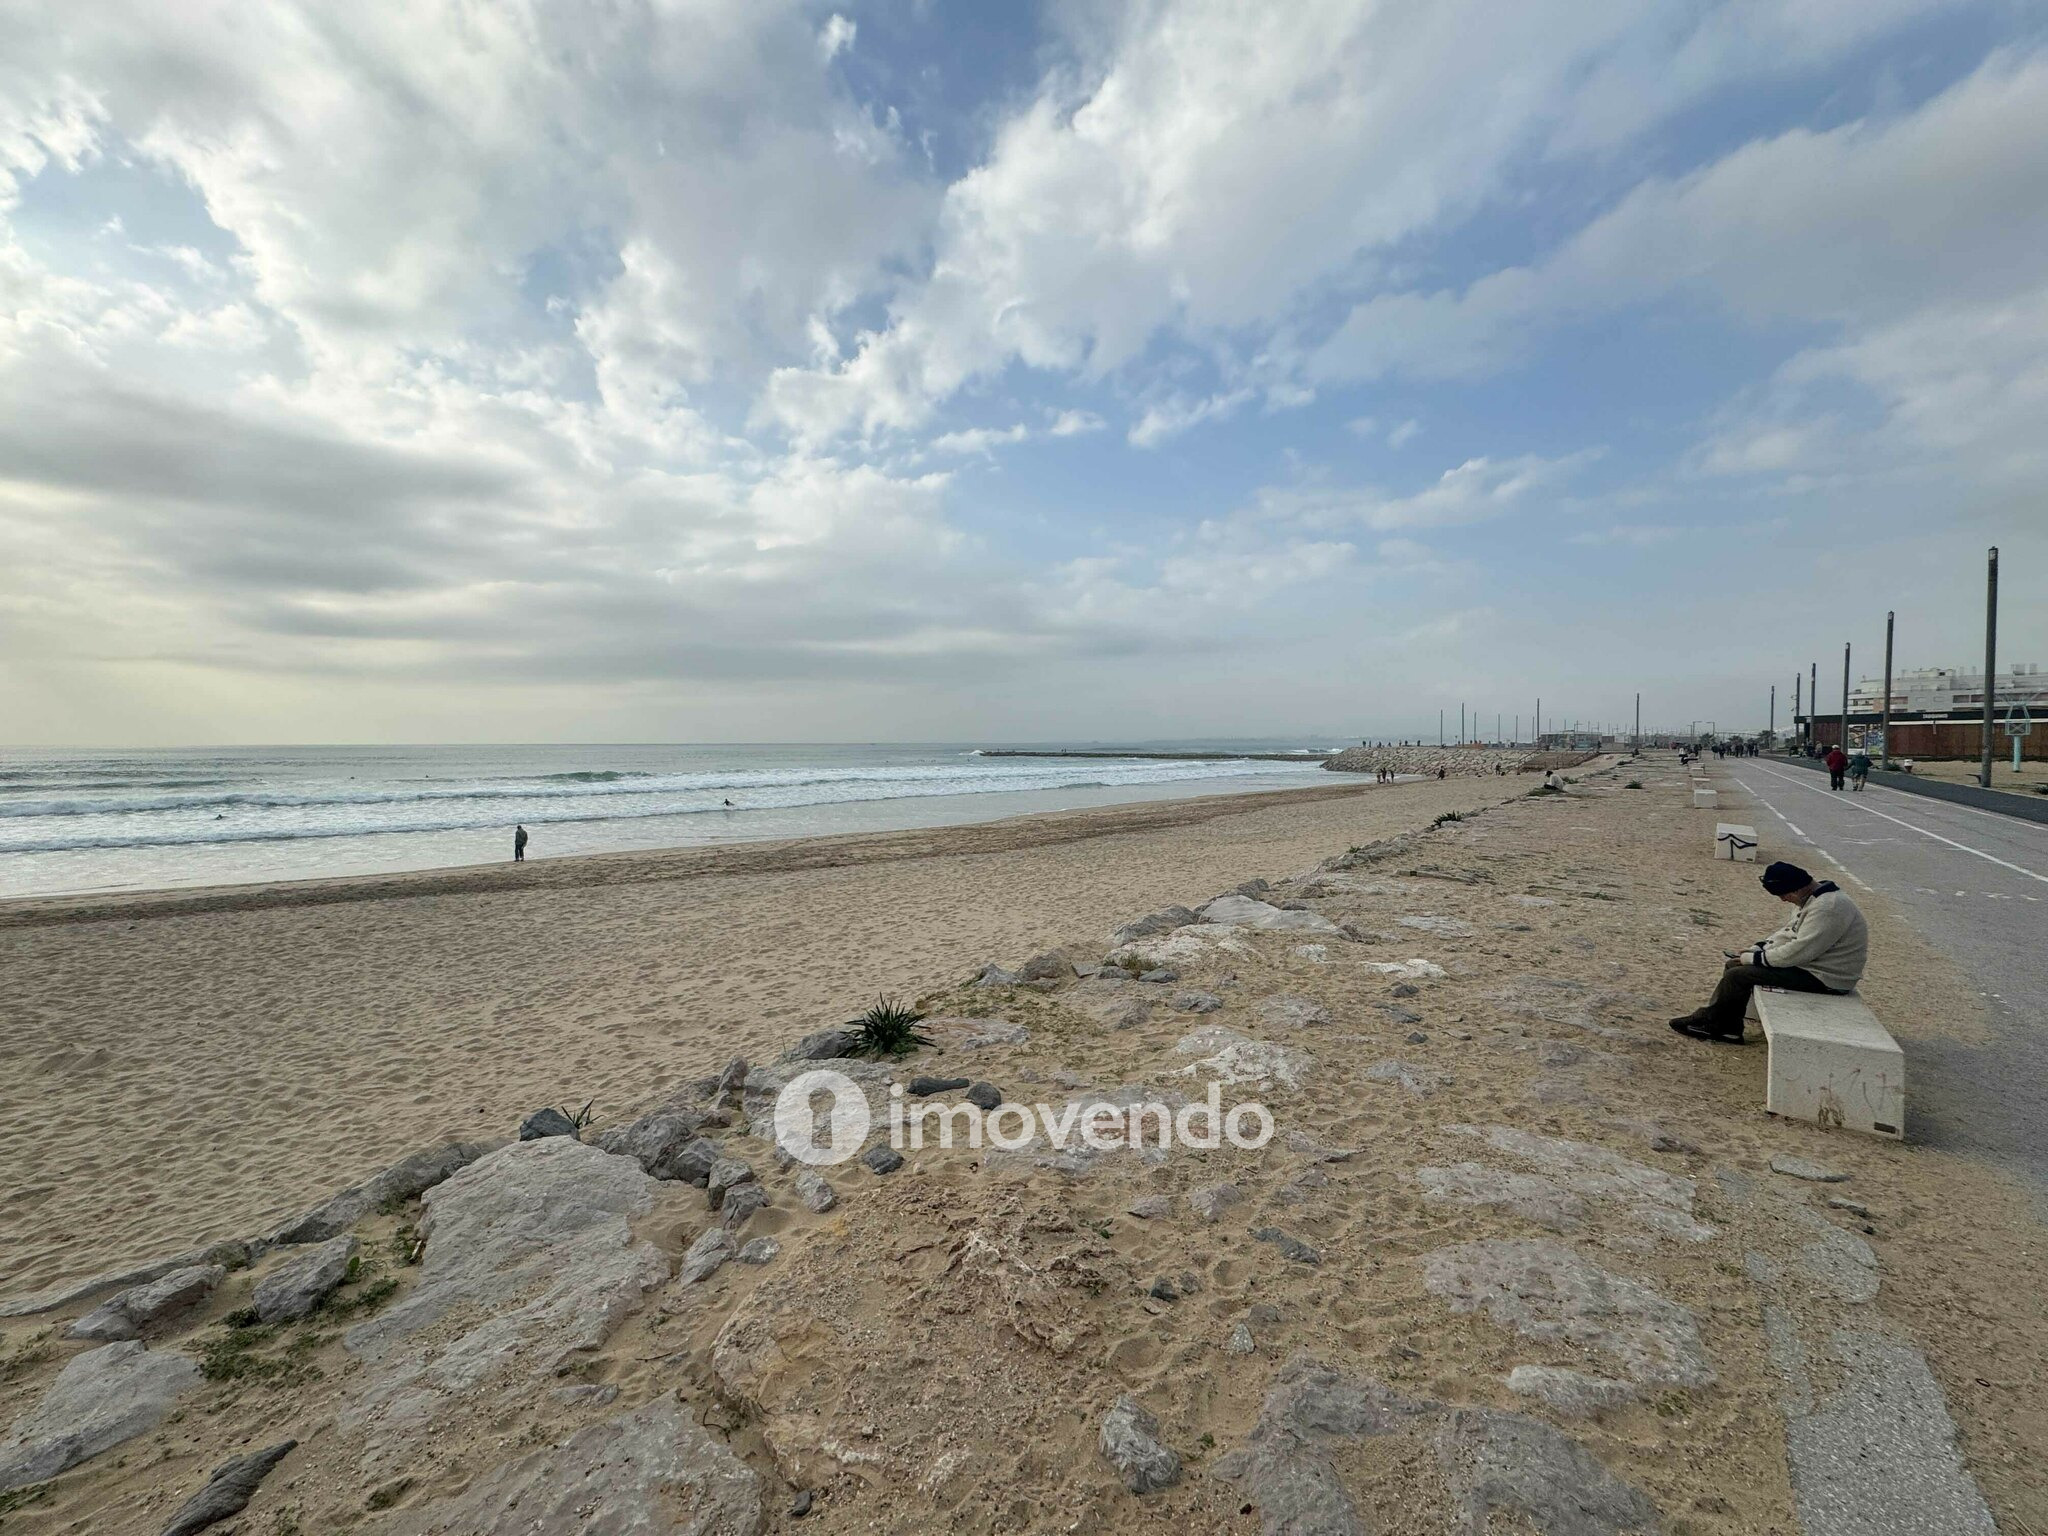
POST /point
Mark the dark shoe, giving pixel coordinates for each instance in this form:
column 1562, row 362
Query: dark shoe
column 1691, row 1024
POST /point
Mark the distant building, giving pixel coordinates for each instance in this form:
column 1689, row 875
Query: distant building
column 1938, row 712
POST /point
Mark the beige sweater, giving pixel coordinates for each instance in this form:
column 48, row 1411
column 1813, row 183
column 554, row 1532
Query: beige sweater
column 1826, row 937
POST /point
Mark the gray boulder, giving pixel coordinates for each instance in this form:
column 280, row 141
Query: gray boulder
column 731, row 1090
column 1194, row 1000
column 882, row 1158
column 1051, row 966
column 824, row 1045
column 740, row 1204
column 405, row 1180
column 100, row 1399
column 692, row 1163
column 1130, row 1441
column 302, row 1282
column 726, row 1174
column 761, row 1250
column 228, row 1491
column 816, row 1194
column 530, row 1264
column 650, row 1469
column 924, row 1087
column 126, row 1315
column 1210, row 1201
column 1163, row 921
column 984, row 1096
column 661, row 1143
column 546, row 1122
column 1285, row 1011
column 706, row 1255
column 1290, row 1246
column 995, row 976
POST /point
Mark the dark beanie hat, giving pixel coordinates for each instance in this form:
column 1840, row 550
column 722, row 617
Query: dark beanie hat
column 1782, row 879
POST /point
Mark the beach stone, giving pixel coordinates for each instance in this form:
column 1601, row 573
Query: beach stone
column 706, row 1256
column 1315, row 954
column 1416, row 1037
column 759, row 1250
column 1853, row 1207
column 530, row 1254
column 984, row 1096
column 1406, row 989
column 823, row 1045
column 1129, row 1439
column 1396, row 1014
column 692, row 1162
column 1658, row 1200
column 1050, row 966
column 1305, row 1145
column 1507, row 1463
column 546, row 1122
column 301, row 1283
column 230, row 1255
column 647, row 1470
column 1544, row 1291
column 1290, row 1247
column 1285, row 1463
column 1210, row 1201
column 1163, row 1289
column 727, row 1174
column 228, row 1490
column 1194, row 1000
column 741, row 1202
column 995, row 976
column 1233, row 1058
column 1571, row 1393
column 1249, row 912
column 403, row 1181
column 1151, row 1207
column 817, row 1195
column 882, row 1158
column 100, row 1399
column 1804, row 1168
column 124, row 1316
column 1241, row 1342
column 1285, row 1011
column 1163, row 921
column 661, row 1144
column 731, row 1092
column 1527, row 1195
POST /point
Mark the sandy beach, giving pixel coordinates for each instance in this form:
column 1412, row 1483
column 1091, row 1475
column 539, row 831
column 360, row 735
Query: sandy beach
column 228, row 1055
column 938, row 1349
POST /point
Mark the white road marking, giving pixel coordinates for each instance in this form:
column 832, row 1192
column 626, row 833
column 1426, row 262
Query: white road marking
column 2020, row 869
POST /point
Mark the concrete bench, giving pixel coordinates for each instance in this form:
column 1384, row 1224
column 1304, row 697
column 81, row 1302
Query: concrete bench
column 1831, row 1062
column 1704, row 800
column 1734, row 841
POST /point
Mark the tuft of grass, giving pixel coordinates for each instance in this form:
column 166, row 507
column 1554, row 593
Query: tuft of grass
column 21, row 1498
column 1448, row 816
column 29, row 1354
column 888, row 1029
column 1633, row 784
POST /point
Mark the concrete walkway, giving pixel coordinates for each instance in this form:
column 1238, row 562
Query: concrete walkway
column 1975, row 885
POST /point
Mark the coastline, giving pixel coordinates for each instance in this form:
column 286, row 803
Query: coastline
column 1520, row 1101
column 998, row 834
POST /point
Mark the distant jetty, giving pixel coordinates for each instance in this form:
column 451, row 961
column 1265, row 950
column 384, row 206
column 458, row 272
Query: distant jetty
column 1167, row 757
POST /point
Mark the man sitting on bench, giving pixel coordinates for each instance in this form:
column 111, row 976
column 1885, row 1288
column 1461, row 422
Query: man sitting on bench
column 1822, row 949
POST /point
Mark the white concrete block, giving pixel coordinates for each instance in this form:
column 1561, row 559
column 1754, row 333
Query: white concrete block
column 1704, row 799
column 1831, row 1062
column 1734, row 841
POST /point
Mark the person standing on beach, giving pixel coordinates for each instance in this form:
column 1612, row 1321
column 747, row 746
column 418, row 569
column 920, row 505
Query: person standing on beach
column 519, row 845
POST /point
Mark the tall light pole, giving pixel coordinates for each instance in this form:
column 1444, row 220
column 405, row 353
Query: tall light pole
column 1884, row 746
column 1797, row 681
column 1772, row 728
column 1812, row 699
column 1844, row 742
column 1637, row 743
column 1990, row 662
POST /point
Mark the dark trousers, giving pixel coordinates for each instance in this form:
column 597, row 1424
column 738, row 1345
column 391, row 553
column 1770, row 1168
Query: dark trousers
column 1834, row 778
column 1731, row 997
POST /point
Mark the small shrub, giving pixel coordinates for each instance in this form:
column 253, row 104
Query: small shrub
column 1448, row 816
column 1633, row 784
column 888, row 1029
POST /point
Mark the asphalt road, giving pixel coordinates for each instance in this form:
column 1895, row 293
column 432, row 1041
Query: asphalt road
column 1975, row 885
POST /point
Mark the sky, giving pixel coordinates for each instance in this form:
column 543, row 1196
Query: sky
column 753, row 370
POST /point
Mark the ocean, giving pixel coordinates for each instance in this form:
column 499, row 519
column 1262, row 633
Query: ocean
column 76, row 821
